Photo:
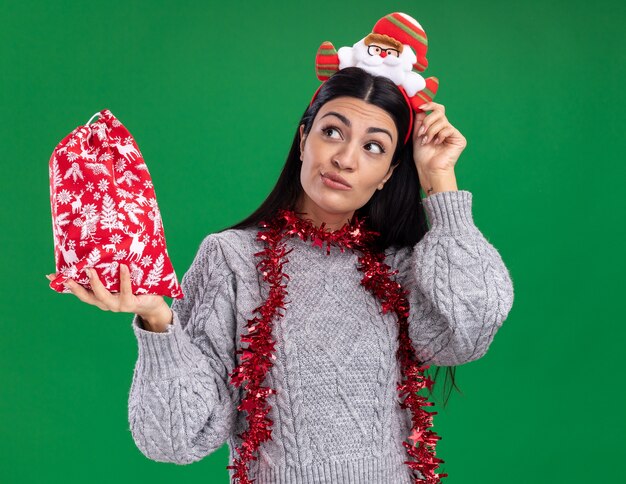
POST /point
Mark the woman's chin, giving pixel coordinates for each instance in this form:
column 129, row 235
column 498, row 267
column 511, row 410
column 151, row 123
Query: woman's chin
column 332, row 206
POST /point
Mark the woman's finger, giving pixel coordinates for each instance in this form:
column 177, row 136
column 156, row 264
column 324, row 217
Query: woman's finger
column 433, row 106
column 434, row 128
column 418, row 118
column 417, row 123
column 428, row 121
column 83, row 294
column 443, row 134
column 100, row 292
column 126, row 292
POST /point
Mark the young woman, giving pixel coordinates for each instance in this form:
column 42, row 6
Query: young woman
column 295, row 342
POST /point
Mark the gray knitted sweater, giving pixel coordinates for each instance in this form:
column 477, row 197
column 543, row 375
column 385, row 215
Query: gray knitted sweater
column 336, row 414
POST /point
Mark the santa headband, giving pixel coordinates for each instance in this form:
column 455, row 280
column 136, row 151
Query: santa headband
column 396, row 49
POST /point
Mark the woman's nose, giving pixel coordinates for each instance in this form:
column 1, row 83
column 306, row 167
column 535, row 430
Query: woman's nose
column 346, row 159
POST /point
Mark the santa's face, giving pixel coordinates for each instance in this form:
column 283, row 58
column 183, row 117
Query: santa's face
column 351, row 141
column 380, row 58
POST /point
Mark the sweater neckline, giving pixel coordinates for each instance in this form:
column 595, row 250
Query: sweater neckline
column 354, row 234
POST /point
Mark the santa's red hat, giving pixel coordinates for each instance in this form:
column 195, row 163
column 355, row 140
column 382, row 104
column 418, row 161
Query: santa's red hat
column 406, row 30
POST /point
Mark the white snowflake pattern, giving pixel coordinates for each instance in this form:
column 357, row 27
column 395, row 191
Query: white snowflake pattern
column 115, row 238
column 71, row 244
column 89, row 186
column 71, row 156
column 83, row 243
column 72, row 141
column 106, row 156
column 120, row 255
column 145, row 239
column 146, row 261
column 64, row 197
column 103, row 185
column 88, row 211
column 116, row 123
column 120, row 165
column 96, row 196
column 147, row 184
column 154, row 242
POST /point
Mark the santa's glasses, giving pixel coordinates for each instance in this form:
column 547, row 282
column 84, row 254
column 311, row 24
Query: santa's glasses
column 374, row 49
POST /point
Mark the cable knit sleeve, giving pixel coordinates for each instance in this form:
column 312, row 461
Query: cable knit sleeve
column 181, row 406
column 460, row 290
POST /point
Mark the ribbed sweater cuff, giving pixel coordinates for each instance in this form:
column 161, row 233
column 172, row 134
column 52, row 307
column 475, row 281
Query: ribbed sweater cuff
column 450, row 211
column 165, row 355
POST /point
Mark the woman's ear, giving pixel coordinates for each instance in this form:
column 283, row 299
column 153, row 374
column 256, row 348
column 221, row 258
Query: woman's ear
column 387, row 176
column 302, row 138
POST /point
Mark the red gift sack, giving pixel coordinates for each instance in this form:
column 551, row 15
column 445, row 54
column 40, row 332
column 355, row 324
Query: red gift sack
column 105, row 213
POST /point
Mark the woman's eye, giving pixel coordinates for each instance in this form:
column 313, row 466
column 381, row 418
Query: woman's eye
column 380, row 148
column 326, row 130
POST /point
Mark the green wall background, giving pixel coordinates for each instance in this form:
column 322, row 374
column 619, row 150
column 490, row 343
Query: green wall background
column 212, row 93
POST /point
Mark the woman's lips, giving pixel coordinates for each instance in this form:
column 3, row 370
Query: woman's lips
column 332, row 182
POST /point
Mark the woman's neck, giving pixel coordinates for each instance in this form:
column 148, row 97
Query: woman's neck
column 333, row 221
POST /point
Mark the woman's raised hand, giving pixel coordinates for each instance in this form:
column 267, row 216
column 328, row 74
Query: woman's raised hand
column 148, row 306
column 437, row 144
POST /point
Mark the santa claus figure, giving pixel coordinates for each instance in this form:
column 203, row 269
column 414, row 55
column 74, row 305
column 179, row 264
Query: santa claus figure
column 396, row 48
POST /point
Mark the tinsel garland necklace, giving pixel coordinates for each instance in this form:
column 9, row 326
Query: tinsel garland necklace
column 258, row 357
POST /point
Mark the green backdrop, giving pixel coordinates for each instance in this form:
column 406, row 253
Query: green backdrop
column 212, row 93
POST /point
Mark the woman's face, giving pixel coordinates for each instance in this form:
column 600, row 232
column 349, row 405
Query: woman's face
column 352, row 140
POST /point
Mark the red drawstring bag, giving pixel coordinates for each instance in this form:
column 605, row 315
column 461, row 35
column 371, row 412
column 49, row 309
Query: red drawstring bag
column 105, row 213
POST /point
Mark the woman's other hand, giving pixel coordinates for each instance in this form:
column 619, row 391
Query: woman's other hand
column 437, row 144
column 150, row 307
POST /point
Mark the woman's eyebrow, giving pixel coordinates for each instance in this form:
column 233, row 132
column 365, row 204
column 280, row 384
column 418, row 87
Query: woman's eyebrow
column 346, row 121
